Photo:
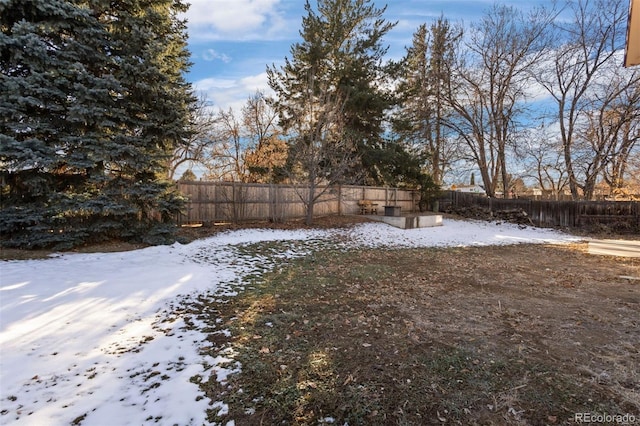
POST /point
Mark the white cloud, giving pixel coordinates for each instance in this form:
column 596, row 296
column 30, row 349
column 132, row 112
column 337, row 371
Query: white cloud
column 256, row 82
column 212, row 55
column 227, row 93
column 207, row 84
column 230, row 15
column 237, row 19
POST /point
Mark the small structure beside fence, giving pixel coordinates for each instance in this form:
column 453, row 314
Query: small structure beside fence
column 210, row 202
column 552, row 213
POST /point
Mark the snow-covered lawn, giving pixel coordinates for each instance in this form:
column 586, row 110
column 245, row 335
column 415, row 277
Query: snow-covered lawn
column 95, row 339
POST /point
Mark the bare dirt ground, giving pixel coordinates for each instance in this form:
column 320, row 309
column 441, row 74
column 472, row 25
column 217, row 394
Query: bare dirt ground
column 522, row 335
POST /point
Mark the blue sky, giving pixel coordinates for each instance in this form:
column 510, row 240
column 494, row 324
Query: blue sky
column 232, row 41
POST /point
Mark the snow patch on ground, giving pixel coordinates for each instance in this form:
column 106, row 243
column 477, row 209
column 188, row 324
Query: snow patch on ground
column 99, row 339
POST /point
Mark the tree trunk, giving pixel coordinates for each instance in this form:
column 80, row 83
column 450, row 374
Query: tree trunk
column 505, row 176
column 590, row 187
column 573, row 182
column 309, row 218
column 310, row 203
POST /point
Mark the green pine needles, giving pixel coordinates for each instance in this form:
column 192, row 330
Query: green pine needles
column 93, row 101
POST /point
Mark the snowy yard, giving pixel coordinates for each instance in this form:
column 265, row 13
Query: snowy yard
column 97, row 339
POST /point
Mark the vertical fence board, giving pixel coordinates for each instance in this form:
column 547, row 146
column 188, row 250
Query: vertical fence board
column 554, row 213
column 234, row 201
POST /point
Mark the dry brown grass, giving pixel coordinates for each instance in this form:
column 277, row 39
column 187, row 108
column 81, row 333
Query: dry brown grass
column 522, row 335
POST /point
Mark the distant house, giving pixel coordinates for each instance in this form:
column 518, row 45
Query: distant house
column 546, row 194
column 474, row 189
column 532, row 193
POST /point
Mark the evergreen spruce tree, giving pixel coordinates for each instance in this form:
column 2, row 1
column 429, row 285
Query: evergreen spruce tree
column 93, row 101
column 188, row 176
column 423, row 113
column 342, row 53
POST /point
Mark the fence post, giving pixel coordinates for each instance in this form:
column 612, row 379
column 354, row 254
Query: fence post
column 235, row 200
column 272, row 210
column 211, row 201
column 199, row 202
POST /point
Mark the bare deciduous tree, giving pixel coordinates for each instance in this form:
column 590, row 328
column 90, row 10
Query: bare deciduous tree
column 226, row 161
column 266, row 152
column 541, row 154
column 194, row 149
column 221, row 142
column 259, row 119
column 620, row 171
column 611, row 131
column 585, row 48
column 321, row 152
column 489, row 86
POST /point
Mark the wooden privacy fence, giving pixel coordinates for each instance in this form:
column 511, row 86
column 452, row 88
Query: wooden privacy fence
column 554, row 213
column 236, row 202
